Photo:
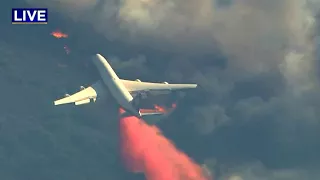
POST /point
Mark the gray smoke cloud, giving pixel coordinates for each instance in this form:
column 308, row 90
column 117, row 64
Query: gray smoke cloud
column 254, row 171
column 270, row 48
column 256, row 35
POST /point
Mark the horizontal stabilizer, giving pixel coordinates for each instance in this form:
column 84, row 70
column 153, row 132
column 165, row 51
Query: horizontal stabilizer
column 151, row 113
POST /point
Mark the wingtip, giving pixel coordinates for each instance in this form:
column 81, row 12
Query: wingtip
column 56, row 103
column 98, row 55
column 95, row 56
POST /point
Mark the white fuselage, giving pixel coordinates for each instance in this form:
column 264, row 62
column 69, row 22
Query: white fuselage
column 114, row 84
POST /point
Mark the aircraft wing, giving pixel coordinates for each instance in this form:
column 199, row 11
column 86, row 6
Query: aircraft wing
column 154, row 88
column 84, row 96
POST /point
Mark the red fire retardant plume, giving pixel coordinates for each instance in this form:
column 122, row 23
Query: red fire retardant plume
column 145, row 149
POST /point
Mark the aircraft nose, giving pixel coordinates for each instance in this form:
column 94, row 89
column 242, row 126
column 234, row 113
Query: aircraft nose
column 97, row 56
column 98, row 59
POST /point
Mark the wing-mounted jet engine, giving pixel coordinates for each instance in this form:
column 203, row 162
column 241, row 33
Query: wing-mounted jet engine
column 139, row 97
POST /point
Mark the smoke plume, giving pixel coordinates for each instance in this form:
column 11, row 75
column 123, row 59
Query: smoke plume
column 270, row 64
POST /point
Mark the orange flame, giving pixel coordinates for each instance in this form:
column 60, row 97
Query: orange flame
column 121, row 110
column 58, row 34
column 160, row 108
column 174, row 105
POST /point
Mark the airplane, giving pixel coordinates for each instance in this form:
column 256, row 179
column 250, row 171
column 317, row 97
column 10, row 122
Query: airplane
column 127, row 93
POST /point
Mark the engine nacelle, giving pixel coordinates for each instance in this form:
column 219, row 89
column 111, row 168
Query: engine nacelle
column 138, row 80
column 82, row 87
column 138, row 97
column 165, row 83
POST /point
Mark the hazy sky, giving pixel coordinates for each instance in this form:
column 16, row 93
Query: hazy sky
column 256, row 115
